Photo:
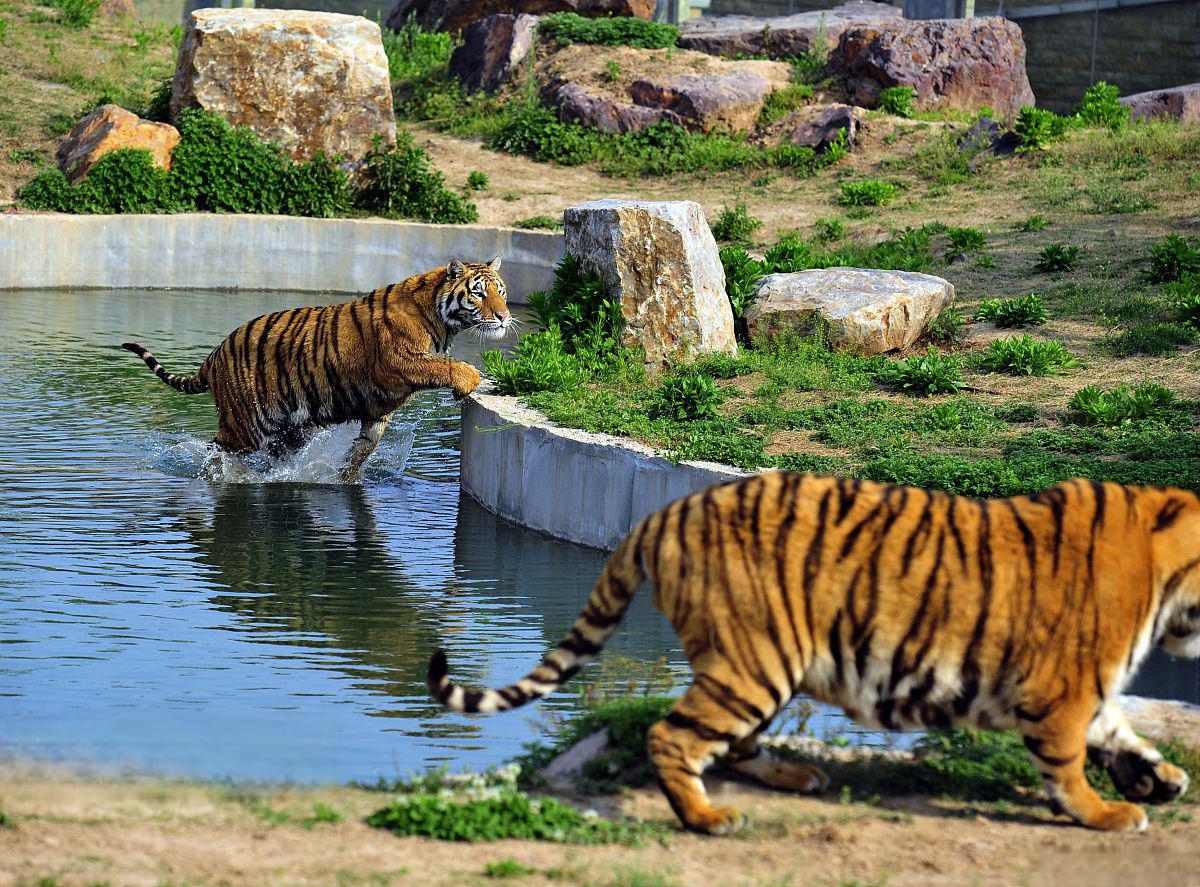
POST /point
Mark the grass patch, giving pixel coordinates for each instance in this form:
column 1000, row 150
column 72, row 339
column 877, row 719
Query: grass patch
column 568, row 27
column 867, row 192
column 1154, row 339
column 504, row 869
column 897, row 101
column 545, row 223
column 1121, row 405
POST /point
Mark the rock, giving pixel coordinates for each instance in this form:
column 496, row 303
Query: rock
column 662, row 264
column 561, row 772
column 108, row 128
column 493, row 50
column 1180, row 103
column 864, row 310
column 985, row 138
column 114, row 8
column 454, row 15
column 309, row 81
column 815, row 126
column 964, row 64
column 687, row 88
column 780, row 36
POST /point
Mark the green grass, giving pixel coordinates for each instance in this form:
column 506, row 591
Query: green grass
column 503, row 869
column 735, row 224
column 1154, row 339
column 568, row 27
column 897, row 100
column 534, row 223
column 867, row 192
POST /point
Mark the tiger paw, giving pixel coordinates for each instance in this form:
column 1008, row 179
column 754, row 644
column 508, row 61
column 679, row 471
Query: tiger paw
column 465, row 380
column 717, row 821
column 1139, row 779
column 1119, row 817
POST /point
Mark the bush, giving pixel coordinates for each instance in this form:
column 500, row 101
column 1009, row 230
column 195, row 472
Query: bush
column 539, row 222
column 528, row 129
column 402, row 183
column 829, row 230
column 318, row 189
column 579, row 305
column 413, row 52
column 946, row 328
column 76, row 13
column 1120, row 405
column 735, row 224
column 1154, row 339
column 686, row 397
column 924, row 374
column 1185, row 299
column 219, row 168
column 964, row 240
column 477, row 180
column 539, row 363
column 1025, row 356
column 1033, row 223
column 1037, row 127
column 741, row 274
column 122, row 181
column 568, row 27
column 1101, row 107
column 1171, row 259
column 867, row 192
column 1009, row 313
column 897, row 100
column 1057, row 257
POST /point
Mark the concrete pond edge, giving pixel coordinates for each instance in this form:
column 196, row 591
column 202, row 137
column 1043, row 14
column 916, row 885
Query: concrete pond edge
column 256, row 252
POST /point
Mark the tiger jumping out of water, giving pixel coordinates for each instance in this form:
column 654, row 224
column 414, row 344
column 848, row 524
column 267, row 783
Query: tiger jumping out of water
column 908, row 609
column 282, row 375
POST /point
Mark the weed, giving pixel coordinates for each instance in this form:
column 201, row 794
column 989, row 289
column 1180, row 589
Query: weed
column 686, row 397
column 568, row 27
column 581, row 306
column 402, row 183
column 1154, row 339
column 76, row 13
column 1109, row 197
column 1057, row 257
column 829, row 230
column 782, row 102
column 477, row 180
column 741, row 274
column 735, row 224
column 1101, row 106
column 612, row 71
column 1024, row 356
column 535, row 222
column 506, row 868
column 1009, row 313
column 867, row 192
column 1185, row 299
column 540, row 362
column 1120, row 405
column 966, row 239
column 413, row 52
column 323, row 812
column 897, row 100
column 924, row 374
column 1031, row 224
column 947, row 328
column 1037, row 127
column 1171, row 259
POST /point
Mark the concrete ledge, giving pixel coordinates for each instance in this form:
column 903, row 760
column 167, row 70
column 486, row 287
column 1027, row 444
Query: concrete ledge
column 587, row 488
column 207, row 251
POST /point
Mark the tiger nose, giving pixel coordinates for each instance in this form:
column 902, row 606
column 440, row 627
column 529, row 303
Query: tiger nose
column 503, row 316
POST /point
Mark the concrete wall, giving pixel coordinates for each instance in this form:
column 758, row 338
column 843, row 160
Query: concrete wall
column 204, row 251
column 586, row 488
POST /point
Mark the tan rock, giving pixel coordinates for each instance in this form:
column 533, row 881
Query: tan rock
column 662, row 263
column 867, row 311
column 108, row 128
column 309, row 81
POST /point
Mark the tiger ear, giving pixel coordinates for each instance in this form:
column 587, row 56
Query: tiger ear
column 494, row 265
column 455, row 269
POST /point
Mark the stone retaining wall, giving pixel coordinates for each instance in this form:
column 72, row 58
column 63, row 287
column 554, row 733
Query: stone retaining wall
column 586, row 488
column 207, row 251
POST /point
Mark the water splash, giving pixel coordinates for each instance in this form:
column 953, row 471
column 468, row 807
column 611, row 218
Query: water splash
column 320, row 461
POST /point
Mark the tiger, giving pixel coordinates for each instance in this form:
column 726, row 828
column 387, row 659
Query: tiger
column 908, row 609
column 279, row 377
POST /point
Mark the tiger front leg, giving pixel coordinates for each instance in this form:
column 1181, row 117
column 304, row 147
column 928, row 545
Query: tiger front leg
column 436, row 371
column 371, row 430
column 1137, row 768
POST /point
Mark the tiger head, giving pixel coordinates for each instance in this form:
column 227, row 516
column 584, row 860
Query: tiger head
column 473, row 297
column 1177, row 555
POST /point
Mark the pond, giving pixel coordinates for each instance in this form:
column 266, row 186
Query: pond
column 154, row 620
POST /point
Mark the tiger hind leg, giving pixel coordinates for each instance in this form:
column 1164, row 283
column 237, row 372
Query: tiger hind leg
column 370, row 432
column 1137, row 768
column 750, row 759
column 1057, row 743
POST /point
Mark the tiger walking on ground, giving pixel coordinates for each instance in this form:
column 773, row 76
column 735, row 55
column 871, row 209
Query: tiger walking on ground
column 282, row 375
column 908, row 609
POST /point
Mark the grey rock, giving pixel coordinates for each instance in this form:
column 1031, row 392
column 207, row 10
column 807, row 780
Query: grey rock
column 493, row 50
column 1180, row 103
column 779, row 36
column 815, row 126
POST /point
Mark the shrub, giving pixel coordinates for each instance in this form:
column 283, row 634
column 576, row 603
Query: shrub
column 1036, row 127
column 1171, row 259
column 1120, row 405
column 1008, row 313
column 686, row 397
column 1057, row 257
column 1101, row 107
column 1154, row 339
column 540, row 363
column 867, row 192
column 735, row 224
column 829, row 230
column 579, row 305
column 1025, row 356
column 946, row 328
column 76, row 13
column 897, row 100
column 1033, row 223
column 220, row 168
column 122, row 181
column 413, row 52
column 535, row 222
column 924, row 374
column 966, row 239
column 528, row 129
column 741, row 274
column 318, row 189
column 1185, row 299
column 477, row 180
column 158, row 108
column 402, row 183
column 781, row 102
column 568, row 27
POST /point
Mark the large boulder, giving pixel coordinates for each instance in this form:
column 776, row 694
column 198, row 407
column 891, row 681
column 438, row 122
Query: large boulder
column 780, row 36
column 661, row 262
column 866, row 311
column 964, row 64
column 623, row 89
column 1180, row 103
column 108, row 128
column 310, row 81
column 493, row 50
column 454, row 15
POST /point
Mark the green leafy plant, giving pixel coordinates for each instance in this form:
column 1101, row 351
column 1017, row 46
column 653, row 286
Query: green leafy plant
column 741, row 274
column 829, row 230
column 568, row 27
column 1025, row 356
column 897, row 100
column 1101, row 106
column 924, row 374
column 477, row 180
column 867, row 192
column 686, row 397
column 540, row 362
column 401, row 183
column 76, row 13
column 966, row 239
column 1033, row 223
column 1037, row 127
column 1171, row 259
column 612, row 71
column 947, row 328
column 1154, row 339
column 1119, row 406
column 1057, row 257
column 1008, row 313
column 502, row 869
column 535, row 222
column 735, row 224
column 781, row 102
column 1185, row 299
column 413, row 52
column 122, row 181
column 580, row 305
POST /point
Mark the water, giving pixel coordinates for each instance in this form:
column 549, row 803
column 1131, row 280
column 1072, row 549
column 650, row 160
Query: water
column 152, row 618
